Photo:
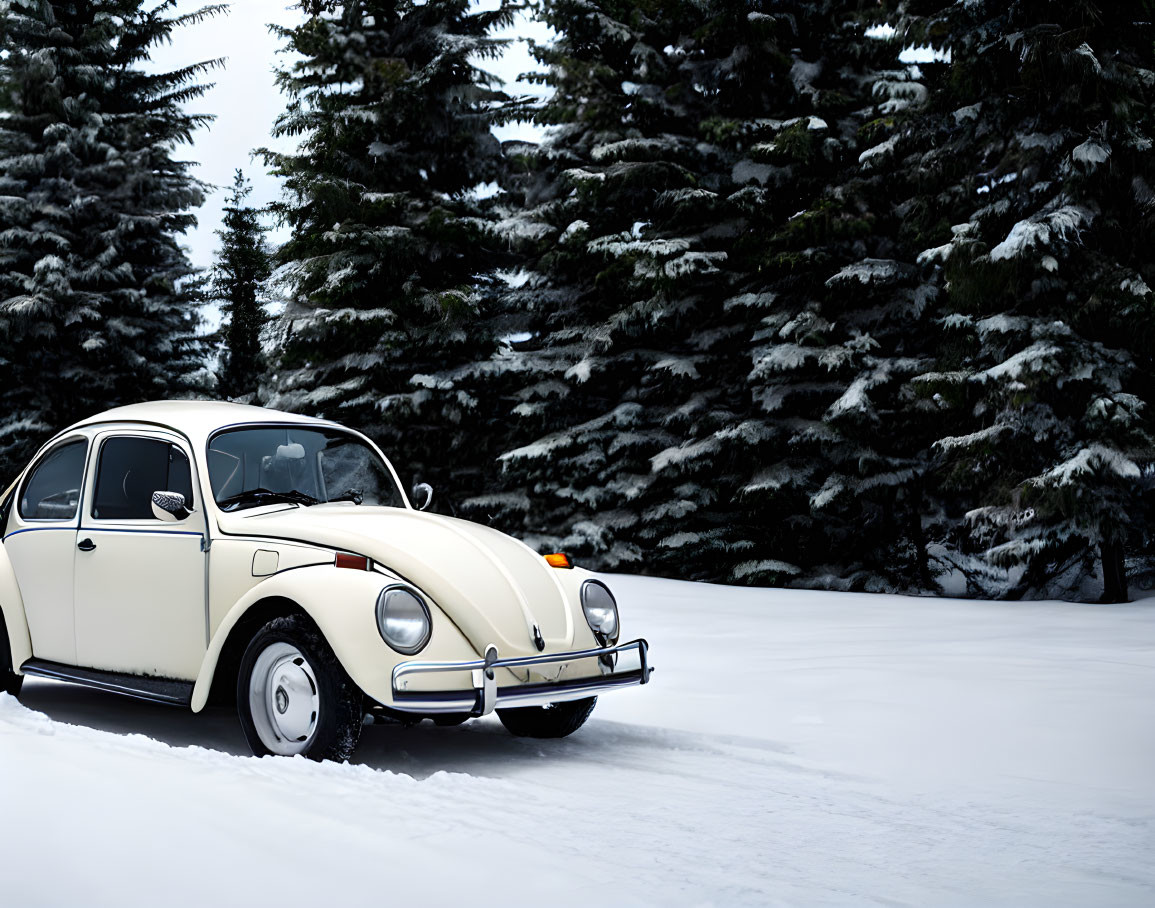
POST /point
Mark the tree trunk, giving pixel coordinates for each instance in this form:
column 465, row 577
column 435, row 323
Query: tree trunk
column 1114, row 573
column 918, row 539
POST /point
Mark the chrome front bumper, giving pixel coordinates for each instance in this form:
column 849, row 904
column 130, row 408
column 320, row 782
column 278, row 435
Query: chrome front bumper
column 486, row 696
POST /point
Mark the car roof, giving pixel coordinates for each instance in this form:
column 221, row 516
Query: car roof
column 196, row 419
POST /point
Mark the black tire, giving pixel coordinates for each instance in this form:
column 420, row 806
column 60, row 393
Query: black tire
column 554, row 721
column 340, row 703
column 10, row 682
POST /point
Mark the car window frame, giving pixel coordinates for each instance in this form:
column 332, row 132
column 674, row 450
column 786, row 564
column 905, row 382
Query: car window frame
column 89, row 501
column 17, row 511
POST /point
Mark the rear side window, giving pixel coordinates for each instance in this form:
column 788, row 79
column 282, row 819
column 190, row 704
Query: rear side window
column 52, row 490
column 130, row 470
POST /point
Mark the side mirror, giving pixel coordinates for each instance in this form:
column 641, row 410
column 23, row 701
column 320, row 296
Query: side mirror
column 169, row 506
column 422, row 495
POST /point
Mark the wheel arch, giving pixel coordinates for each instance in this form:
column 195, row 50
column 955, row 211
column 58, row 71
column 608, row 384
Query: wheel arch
column 338, row 602
column 220, row 684
column 13, row 621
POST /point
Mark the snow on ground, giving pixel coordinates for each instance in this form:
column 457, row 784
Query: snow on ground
column 794, row 748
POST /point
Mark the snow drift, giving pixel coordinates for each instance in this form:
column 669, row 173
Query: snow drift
column 794, row 748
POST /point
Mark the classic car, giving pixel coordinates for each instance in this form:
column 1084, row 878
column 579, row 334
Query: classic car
column 190, row 552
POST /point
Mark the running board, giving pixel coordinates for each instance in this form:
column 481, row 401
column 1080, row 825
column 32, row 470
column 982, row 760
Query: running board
column 155, row 690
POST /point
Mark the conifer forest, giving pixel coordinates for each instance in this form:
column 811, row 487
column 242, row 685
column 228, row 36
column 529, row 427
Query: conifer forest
column 766, row 304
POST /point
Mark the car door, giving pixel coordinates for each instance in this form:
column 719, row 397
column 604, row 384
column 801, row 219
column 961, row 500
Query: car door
column 40, row 540
column 139, row 587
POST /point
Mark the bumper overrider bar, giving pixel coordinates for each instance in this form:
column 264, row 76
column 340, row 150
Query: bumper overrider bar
column 485, row 695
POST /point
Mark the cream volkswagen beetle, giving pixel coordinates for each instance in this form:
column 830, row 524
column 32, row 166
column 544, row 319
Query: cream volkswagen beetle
column 181, row 551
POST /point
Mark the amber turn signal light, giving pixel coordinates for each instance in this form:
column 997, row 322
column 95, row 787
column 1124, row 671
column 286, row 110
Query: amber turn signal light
column 558, row 560
column 353, row 562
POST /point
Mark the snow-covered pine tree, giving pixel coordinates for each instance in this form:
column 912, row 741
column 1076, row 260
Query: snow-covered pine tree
column 1036, row 155
column 92, row 202
column 242, row 266
column 389, row 268
column 612, row 213
column 633, row 429
column 846, row 472
column 834, row 500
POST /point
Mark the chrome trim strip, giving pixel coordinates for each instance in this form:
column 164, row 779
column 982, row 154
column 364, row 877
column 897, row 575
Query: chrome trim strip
column 485, row 696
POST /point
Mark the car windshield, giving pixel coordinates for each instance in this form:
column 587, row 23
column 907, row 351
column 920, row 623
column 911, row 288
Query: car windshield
column 304, row 465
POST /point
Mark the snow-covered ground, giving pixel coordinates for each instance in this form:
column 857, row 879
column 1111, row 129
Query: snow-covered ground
column 794, row 748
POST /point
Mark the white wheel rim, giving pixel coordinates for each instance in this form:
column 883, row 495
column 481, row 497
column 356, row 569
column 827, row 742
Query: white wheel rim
column 283, row 699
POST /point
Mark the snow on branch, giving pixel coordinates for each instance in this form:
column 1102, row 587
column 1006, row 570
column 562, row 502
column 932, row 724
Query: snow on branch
column 691, row 263
column 751, row 569
column 523, row 227
column 679, row 540
column 1091, row 459
column 578, row 175
column 687, row 453
column 871, row 271
column 878, row 153
column 750, row 432
column 1002, row 324
column 1085, row 50
column 499, row 501
column 672, row 198
column 1035, row 358
column 854, row 399
column 831, row 489
column 624, row 244
column 963, row 234
column 621, row 416
column 1091, row 153
column 678, row 366
column 787, row 357
column 1135, row 285
column 763, row 300
column 1041, row 229
column 779, row 476
column 900, row 95
column 633, row 150
column 574, row 230
column 27, row 424
column 1016, row 551
column 955, row 442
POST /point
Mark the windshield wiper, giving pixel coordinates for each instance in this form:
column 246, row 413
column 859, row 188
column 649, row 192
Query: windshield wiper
column 265, row 496
column 354, row 495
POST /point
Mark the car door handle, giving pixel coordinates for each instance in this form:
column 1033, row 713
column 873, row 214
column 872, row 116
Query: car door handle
column 86, row 545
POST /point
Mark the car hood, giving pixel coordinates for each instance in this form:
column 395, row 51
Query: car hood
column 493, row 587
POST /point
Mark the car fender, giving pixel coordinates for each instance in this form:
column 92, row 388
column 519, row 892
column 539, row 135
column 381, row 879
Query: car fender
column 12, row 608
column 341, row 602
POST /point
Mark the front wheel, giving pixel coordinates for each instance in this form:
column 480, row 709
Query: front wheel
column 553, row 721
column 293, row 696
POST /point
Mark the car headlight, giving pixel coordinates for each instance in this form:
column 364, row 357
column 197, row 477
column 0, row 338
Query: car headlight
column 601, row 610
column 403, row 619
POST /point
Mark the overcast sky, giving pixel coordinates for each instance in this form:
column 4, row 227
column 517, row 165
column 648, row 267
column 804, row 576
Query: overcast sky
column 246, row 102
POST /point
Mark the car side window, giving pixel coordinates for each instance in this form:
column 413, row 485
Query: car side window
column 52, row 490
column 130, row 470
